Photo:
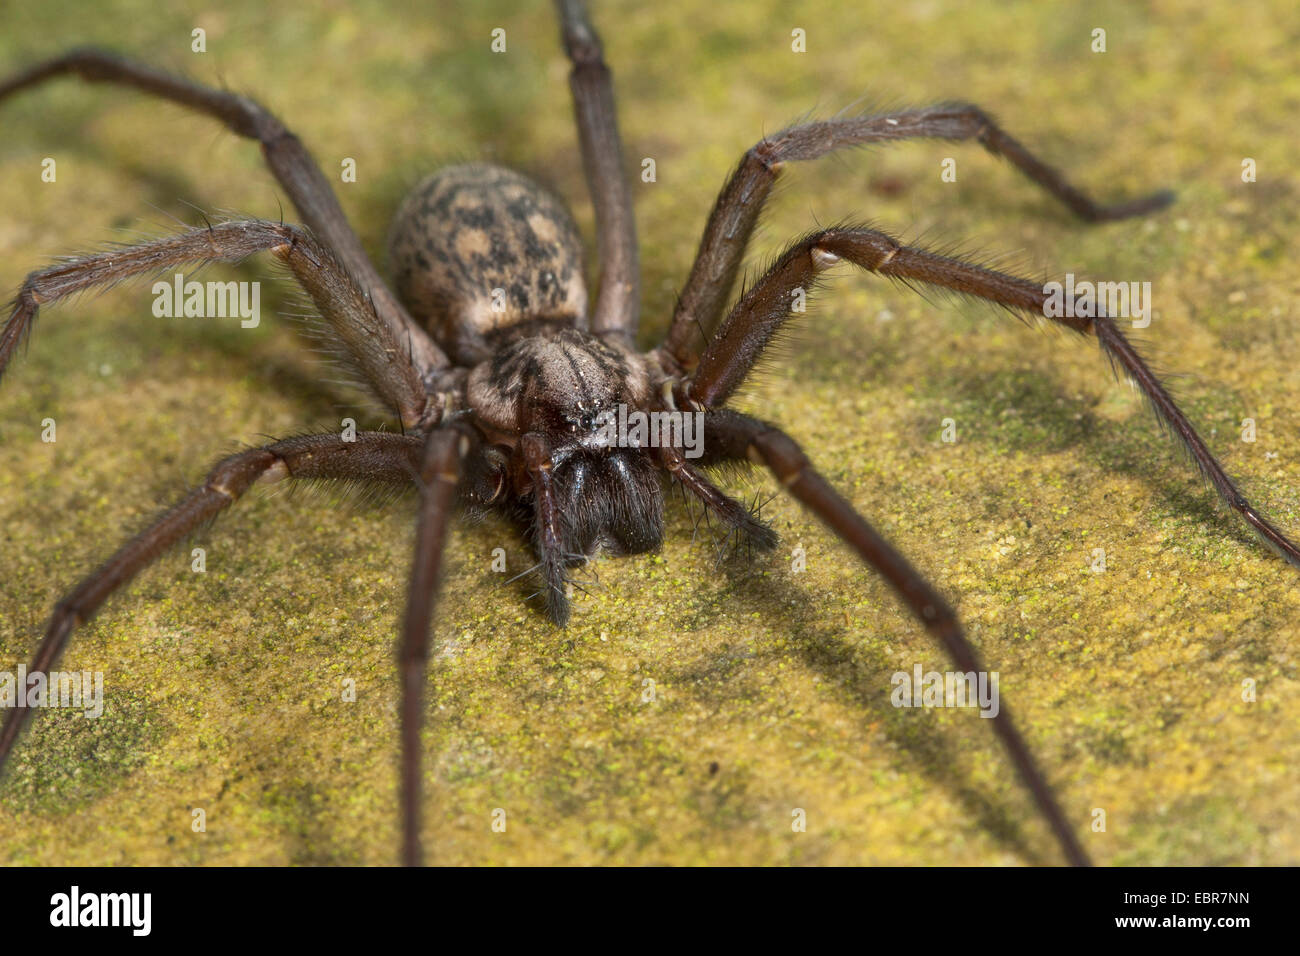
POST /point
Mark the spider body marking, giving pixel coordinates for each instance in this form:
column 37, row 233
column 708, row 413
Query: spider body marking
column 491, row 264
column 479, row 250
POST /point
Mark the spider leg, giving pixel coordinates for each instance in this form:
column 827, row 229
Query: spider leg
column 765, row 307
column 618, row 300
column 550, row 547
column 372, row 457
column 738, row 519
column 289, row 161
column 743, row 437
column 380, row 357
column 440, row 475
column 737, row 208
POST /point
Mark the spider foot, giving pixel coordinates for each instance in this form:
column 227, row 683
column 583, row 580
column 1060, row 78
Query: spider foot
column 557, row 587
column 744, row 530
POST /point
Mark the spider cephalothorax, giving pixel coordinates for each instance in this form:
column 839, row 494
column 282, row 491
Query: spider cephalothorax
column 548, row 398
column 491, row 265
column 514, row 388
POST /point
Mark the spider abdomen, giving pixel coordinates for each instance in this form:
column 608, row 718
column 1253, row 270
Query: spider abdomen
column 480, row 253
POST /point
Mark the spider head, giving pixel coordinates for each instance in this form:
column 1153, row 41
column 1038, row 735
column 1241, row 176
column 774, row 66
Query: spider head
column 569, row 387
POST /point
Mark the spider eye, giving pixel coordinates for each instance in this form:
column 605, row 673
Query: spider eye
column 588, row 421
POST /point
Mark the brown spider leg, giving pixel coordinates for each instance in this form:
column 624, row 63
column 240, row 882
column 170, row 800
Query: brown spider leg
column 618, row 301
column 734, row 514
column 536, row 456
column 289, row 161
column 372, row 457
column 380, row 357
column 1124, row 355
column 440, row 475
column 762, row 310
column 743, row 437
column 737, row 208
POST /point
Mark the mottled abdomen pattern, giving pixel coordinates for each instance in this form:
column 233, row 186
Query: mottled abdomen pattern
column 480, row 253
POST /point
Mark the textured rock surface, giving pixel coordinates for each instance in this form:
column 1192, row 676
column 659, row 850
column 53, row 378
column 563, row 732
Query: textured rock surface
column 772, row 689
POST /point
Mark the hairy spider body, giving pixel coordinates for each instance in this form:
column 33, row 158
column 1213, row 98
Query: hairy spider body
column 567, row 385
column 490, row 263
column 506, row 377
column 479, row 250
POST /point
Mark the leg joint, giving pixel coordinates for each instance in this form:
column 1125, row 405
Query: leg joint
column 583, row 47
column 768, row 153
column 779, row 452
column 232, row 476
column 868, row 248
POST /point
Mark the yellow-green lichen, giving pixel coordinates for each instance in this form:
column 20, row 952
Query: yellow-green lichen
column 225, row 690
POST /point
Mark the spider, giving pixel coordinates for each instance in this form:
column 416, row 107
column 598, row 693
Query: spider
column 506, row 379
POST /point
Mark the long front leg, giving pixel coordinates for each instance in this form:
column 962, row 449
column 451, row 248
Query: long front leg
column 762, row 311
column 440, row 474
column 742, row 437
column 618, row 301
column 373, row 457
column 287, row 158
column 381, row 358
column 737, row 208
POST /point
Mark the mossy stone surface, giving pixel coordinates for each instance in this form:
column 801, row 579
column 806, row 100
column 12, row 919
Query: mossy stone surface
column 771, row 689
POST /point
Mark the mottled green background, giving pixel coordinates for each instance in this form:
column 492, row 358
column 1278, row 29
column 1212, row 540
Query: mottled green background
column 772, row 688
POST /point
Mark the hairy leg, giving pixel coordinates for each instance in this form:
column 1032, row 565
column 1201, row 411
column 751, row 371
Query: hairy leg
column 372, row 457
column 369, row 342
column 290, row 162
column 440, row 475
column 731, row 512
column 618, row 300
column 738, row 206
column 550, row 549
column 742, row 437
column 766, row 306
